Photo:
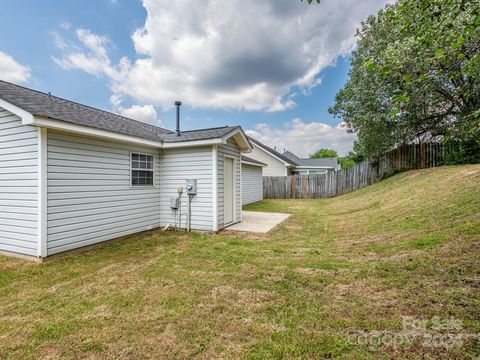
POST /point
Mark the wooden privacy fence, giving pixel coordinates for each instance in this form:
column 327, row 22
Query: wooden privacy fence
column 334, row 183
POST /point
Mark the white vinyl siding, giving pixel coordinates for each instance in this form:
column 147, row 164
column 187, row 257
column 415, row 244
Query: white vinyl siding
column 178, row 165
column 230, row 149
column 274, row 166
column 89, row 196
column 18, row 185
column 252, row 184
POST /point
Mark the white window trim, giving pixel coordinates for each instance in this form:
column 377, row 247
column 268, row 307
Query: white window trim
column 314, row 167
column 152, row 170
column 297, row 172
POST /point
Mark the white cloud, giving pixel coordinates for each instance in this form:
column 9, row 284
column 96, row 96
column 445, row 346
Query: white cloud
column 65, row 25
column 11, row 70
column 240, row 54
column 91, row 57
column 145, row 113
column 304, row 138
column 59, row 42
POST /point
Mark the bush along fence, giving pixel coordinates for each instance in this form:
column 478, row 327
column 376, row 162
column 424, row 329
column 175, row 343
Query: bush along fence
column 334, row 183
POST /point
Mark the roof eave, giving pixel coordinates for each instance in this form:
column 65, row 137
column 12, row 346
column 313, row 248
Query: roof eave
column 241, row 139
column 26, row 117
column 276, row 157
column 51, row 123
column 253, row 164
column 189, row 143
column 61, row 125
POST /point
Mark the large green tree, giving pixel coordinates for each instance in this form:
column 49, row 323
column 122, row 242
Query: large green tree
column 324, row 153
column 353, row 157
column 415, row 75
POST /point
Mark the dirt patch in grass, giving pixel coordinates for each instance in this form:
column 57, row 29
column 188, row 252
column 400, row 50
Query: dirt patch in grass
column 293, row 227
column 244, row 235
column 313, row 272
column 468, row 172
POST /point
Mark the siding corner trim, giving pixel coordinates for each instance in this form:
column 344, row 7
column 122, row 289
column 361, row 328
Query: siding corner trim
column 42, row 192
column 215, row 187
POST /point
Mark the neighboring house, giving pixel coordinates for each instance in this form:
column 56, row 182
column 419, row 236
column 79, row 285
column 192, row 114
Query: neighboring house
column 307, row 166
column 252, row 180
column 72, row 175
column 278, row 164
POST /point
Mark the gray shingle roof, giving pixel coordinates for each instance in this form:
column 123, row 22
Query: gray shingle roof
column 250, row 160
column 41, row 104
column 273, row 151
column 291, row 156
column 38, row 103
column 325, row 162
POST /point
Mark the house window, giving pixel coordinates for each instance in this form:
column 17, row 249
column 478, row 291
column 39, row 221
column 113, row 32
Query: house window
column 317, row 172
column 141, row 169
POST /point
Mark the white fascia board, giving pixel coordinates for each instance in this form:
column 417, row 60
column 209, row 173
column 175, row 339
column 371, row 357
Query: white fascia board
column 238, row 132
column 253, row 164
column 87, row 130
column 182, row 144
column 42, row 121
column 26, row 117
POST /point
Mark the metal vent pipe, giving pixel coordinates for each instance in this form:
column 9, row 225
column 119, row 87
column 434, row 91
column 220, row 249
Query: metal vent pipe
column 178, row 104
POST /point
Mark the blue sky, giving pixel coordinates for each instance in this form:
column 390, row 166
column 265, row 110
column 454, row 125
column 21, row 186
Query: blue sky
column 275, row 79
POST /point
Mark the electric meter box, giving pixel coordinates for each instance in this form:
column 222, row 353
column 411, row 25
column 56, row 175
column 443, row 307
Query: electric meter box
column 191, row 186
column 174, row 202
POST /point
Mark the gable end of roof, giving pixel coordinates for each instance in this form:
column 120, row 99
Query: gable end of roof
column 272, row 152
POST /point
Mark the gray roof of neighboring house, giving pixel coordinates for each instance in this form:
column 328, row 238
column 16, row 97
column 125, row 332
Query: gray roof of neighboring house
column 253, row 161
column 42, row 104
column 291, row 156
column 273, row 151
column 294, row 160
column 325, row 162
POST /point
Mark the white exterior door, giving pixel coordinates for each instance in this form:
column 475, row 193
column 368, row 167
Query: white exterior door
column 228, row 188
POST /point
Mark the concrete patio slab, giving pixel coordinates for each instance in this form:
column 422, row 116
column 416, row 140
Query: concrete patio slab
column 258, row 222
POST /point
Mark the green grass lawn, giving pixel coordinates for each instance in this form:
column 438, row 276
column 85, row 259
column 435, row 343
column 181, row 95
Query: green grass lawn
column 407, row 246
